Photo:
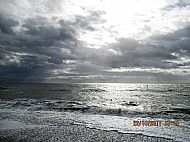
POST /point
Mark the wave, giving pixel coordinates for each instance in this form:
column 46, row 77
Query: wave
column 92, row 90
column 76, row 106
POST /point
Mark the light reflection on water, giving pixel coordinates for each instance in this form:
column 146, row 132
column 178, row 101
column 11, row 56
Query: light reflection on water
column 103, row 105
column 114, row 97
column 139, row 97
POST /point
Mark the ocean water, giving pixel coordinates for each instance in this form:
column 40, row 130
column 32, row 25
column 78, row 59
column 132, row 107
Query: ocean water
column 106, row 106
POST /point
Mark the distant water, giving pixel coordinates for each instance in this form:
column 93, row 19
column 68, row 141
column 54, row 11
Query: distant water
column 110, row 106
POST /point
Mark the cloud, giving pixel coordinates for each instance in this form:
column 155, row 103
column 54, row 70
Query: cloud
column 177, row 4
column 48, row 40
column 33, row 45
column 132, row 53
column 7, row 24
column 178, row 44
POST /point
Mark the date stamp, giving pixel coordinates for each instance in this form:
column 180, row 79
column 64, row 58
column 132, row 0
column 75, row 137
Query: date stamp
column 166, row 123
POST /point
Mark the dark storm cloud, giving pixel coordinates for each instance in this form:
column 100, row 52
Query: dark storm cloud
column 169, row 51
column 176, row 35
column 177, row 42
column 47, row 46
column 178, row 4
column 39, row 38
column 43, row 45
column 132, row 53
column 6, row 25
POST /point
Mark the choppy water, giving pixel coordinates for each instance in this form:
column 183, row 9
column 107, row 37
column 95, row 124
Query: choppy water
column 104, row 106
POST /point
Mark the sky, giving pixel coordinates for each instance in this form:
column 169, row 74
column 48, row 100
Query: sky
column 94, row 40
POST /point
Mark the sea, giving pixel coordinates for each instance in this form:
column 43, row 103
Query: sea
column 159, row 110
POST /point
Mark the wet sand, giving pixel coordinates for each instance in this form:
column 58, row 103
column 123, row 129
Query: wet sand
column 69, row 133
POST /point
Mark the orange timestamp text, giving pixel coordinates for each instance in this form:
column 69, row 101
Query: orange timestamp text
column 156, row 122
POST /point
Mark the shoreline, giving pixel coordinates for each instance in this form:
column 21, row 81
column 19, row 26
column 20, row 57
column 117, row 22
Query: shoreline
column 69, row 133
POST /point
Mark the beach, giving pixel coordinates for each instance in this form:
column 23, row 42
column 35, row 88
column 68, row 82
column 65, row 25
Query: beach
column 67, row 133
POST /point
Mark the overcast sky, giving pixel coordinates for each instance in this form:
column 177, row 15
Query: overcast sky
column 94, row 40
